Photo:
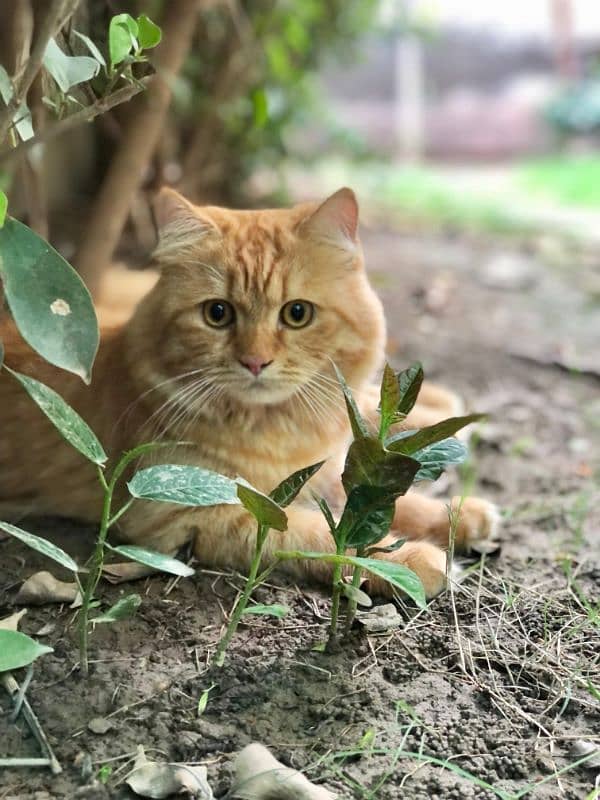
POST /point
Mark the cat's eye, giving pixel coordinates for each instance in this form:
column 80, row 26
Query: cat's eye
column 297, row 313
column 218, row 313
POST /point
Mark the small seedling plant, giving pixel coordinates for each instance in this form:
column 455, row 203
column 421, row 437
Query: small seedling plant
column 381, row 466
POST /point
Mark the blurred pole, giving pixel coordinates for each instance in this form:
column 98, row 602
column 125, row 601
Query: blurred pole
column 561, row 20
column 409, row 126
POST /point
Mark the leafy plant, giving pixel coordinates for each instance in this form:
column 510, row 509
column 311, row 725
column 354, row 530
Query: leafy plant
column 378, row 469
column 268, row 513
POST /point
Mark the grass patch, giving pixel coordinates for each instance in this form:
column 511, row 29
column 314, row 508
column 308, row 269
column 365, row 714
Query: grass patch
column 567, row 181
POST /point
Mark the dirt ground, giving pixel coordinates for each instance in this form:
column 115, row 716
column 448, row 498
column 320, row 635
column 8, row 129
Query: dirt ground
column 499, row 678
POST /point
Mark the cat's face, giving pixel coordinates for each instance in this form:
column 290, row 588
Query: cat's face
column 261, row 302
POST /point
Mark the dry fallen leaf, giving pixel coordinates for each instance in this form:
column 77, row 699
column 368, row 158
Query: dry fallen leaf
column 581, row 748
column 43, row 587
column 156, row 780
column 260, row 776
column 12, row 623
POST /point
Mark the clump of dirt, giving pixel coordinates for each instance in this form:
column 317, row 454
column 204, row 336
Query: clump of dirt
column 480, row 696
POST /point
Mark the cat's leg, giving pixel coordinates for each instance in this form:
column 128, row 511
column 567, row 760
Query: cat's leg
column 225, row 536
column 419, row 517
column 307, row 530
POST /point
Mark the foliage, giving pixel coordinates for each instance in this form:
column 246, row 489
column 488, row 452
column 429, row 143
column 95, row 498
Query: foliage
column 249, row 84
column 576, row 110
column 378, row 469
column 18, row 650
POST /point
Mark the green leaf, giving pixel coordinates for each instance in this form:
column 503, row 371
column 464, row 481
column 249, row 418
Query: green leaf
column 289, row 488
column 356, row 595
column 22, row 117
column 3, row 207
column 122, row 609
column 388, row 549
column 262, row 507
column 409, row 385
column 58, row 318
column 18, row 650
column 184, row 485
column 398, row 575
column 389, row 397
column 91, row 47
column 273, row 610
column 367, row 516
column 67, row 70
column 357, row 423
column 327, row 513
column 122, row 33
column 149, row 34
column 42, row 546
column 65, row 420
column 369, row 463
column 203, row 700
column 436, row 457
column 151, row 558
column 261, row 108
column 434, row 433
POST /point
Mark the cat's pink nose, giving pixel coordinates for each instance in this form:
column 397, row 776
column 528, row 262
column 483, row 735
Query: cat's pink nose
column 255, row 364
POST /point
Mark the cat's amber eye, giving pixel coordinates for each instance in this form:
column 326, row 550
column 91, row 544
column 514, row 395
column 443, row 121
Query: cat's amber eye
column 297, row 313
column 218, row 313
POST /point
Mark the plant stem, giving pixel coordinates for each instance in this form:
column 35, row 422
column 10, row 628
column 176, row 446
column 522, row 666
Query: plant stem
column 335, row 607
column 97, row 557
column 94, row 575
column 240, row 606
column 352, row 605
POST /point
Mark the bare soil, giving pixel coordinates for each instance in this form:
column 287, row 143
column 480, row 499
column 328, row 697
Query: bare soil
column 499, row 678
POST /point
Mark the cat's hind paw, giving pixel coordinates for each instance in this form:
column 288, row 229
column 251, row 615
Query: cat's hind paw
column 478, row 524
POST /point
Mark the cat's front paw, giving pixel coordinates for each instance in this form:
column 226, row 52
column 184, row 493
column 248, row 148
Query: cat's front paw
column 478, row 523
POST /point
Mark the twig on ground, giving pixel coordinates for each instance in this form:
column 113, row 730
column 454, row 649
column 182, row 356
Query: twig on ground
column 12, row 687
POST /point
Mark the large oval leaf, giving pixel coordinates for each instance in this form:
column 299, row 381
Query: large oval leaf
column 42, row 546
column 184, row 485
column 49, row 303
column 262, row 507
column 61, row 415
column 151, row 558
column 18, row 650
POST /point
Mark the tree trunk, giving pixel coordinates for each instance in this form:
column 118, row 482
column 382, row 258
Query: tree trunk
column 110, row 209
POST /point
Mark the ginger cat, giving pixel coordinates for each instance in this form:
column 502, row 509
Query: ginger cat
column 231, row 349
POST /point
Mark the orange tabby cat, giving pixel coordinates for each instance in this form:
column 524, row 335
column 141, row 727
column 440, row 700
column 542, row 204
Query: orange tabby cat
column 232, row 350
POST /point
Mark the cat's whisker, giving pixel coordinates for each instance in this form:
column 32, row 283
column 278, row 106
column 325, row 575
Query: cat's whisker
column 155, row 388
column 173, row 404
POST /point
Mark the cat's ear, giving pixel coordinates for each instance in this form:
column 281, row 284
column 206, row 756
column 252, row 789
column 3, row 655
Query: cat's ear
column 335, row 220
column 181, row 225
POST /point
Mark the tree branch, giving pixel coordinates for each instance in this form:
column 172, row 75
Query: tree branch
column 86, row 114
column 140, row 137
column 58, row 13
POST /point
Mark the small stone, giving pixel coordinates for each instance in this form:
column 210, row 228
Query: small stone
column 100, row 725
